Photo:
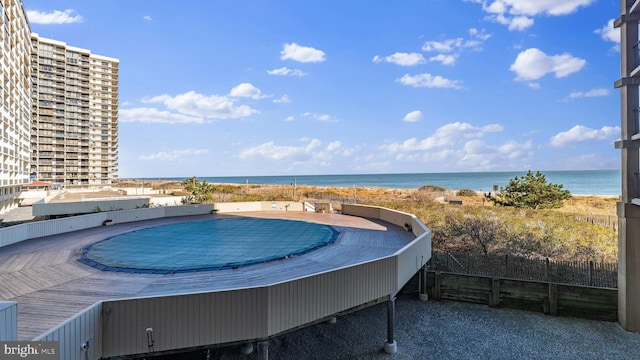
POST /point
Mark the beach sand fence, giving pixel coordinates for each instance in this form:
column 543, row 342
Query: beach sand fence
column 584, row 273
column 607, row 221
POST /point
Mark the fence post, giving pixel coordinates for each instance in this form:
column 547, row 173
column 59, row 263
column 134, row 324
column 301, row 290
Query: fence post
column 553, row 299
column 436, row 285
column 423, row 295
column 494, row 296
column 506, row 265
column 468, row 263
column 590, row 274
column 547, row 270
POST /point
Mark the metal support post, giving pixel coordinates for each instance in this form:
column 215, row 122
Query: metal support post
column 390, row 346
column 263, row 350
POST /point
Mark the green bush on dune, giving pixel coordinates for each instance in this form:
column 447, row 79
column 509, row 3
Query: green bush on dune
column 531, row 191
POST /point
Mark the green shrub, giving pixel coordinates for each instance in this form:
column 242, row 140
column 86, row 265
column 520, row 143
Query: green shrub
column 466, row 192
column 531, row 191
column 432, row 188
column 512, row 231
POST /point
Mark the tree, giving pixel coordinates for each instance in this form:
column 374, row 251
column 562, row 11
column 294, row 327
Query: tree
column 531, row 191
column 482, row 229
column 200, row 191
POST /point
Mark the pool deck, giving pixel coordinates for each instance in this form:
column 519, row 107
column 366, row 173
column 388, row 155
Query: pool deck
column 50, row 285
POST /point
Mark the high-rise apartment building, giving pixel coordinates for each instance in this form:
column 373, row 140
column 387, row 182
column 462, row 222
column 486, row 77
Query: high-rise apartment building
column 74, row 117
column 15, row 101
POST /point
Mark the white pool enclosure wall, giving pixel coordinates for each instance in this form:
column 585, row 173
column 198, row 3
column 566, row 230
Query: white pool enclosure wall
column 114, row 328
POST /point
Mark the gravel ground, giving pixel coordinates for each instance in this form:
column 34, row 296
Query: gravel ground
column 451, row 330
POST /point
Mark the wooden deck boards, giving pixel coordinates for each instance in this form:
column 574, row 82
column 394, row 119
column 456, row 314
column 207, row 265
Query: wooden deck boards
column 50, row 286
column 13, row 263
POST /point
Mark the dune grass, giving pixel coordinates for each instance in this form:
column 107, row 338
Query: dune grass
column 568, row 233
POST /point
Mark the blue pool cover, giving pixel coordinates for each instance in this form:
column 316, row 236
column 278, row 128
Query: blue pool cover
column 222, row 243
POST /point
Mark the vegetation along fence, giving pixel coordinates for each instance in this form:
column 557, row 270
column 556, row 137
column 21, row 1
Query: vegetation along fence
column 584, row 273
column 607, row 221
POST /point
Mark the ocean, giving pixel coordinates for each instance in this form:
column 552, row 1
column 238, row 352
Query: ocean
column 583, row 182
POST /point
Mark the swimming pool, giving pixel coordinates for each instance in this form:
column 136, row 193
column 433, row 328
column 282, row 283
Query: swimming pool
column 222, row 243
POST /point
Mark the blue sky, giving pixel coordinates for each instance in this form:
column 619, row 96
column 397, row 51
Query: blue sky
column 235, row 87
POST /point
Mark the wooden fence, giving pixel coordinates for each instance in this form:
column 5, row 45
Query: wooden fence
column 607, row 221
column 550, row 298
column 583, row 273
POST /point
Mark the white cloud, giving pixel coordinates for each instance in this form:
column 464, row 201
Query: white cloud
column 609, row 33
column 247, row 90
column 284, row 71
column 190, row 107
column 283, row 100
column 533, row 64
column 402, row 59
column 147, row 18
column 312, row 152
column 290, row 118
column 513, row 150
column 429, row 81
column 495, row 7
column 444, row 59
column 153, row 115
column 581, row 133
column 303, row 54
column 518, row 14
column 54, row 17
column 478, row 154
column 520, row 23
column 449, row 50
column 335, row 145
column 444, row 137
column 479, row 34
column 319, row 117
column 272, row 151
column 175, row 155
column 413, row 116
column 450, row 45
column 545, row 7
column 461, row 145
column 591, row 93
column 308, row 157
column 337, row 148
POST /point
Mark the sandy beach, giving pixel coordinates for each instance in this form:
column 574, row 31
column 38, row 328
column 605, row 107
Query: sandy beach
column 583, row 204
